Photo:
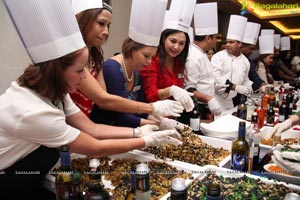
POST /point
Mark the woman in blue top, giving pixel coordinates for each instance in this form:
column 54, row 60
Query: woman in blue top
column 122, row 77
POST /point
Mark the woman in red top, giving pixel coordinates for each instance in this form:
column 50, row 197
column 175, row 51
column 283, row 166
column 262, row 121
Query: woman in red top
column 165, row 75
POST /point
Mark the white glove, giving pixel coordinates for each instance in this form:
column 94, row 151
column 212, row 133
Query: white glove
column 159, row 138
column 183, row 96
column 167, row 108
column 281, row 159
column 167, row 124
column 220, row 88
column 287, row 86
column 214, row 107
column 146, row 130
column 279, row 128
column 263, row 88
column 243, row 89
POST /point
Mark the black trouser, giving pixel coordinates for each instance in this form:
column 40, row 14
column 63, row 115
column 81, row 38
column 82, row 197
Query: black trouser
column 24, row 179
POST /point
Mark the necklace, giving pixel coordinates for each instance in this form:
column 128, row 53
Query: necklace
column 125, row 70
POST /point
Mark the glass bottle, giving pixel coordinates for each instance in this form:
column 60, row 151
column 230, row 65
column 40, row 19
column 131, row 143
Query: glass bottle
column 272, row 96
column 240, row 150
column 289, row 101
column 63, row 180
column 260, row 115
column 131, row 193
column 195, row 117
column 266, row 99
column 78, row 193
column 250, row 108
column 96, row 190
column 213, row 191
column 242, row 108
column 270, row 115
column 283, row 113
column 142, row 182
column 255, row 138
column 178, row 189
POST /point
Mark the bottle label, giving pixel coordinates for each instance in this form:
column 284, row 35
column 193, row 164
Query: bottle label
column 142, row 183
column 281, row 118
column 242, row 114
column 195, row 124
column 240, row 162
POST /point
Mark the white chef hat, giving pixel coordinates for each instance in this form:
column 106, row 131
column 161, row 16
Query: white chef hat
column 251, row 33
column 191, row 34
column 146, row 21
column 82, row 5
column 48, row 29
column 267, row 32
column 206, row 19
column 236, row 28
column 277, row 41
column 180, row 15
column 266, row 44
column 285, row 43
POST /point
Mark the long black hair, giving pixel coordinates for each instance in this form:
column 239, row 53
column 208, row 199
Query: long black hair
column 162, row 52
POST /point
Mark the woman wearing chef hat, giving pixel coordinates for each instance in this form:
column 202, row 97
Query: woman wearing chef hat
column 94, row 18
column 164, row 77
column 120, row 74
column 38, row 115
column 266, row 50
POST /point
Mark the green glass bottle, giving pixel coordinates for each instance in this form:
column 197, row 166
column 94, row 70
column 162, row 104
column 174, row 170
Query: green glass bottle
column 240, row 150
column 78, row 193
column 63, row 181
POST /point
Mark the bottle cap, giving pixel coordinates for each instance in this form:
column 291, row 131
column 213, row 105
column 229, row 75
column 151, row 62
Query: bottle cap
column 76, row 178
column 94, row 163
column 178, row 184
column 142, row 169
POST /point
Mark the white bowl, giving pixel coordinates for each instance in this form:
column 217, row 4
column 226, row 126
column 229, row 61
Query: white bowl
column 282, row 177
column 225, row 127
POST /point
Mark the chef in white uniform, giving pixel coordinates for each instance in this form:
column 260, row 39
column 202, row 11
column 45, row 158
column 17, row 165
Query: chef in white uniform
column 230, row 66
column 199, row 78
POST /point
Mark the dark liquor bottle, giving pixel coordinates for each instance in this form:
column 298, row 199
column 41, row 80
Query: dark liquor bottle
column 270, row 116
column 255, row 138
column 96, row 190
column 78, row 193
column 242, row 108
column 142, row 182
column 283, row 113
column 213, row 191
column 195, row 117
column 63, row 181
column 178, row 189
column 240, row 150
column 289, row 101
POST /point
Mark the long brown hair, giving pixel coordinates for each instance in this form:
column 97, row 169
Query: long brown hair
column 47, row 78
column 85, row 20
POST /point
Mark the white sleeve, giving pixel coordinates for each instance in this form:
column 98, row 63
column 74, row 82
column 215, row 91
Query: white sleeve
column 45, row 126
column 217, row 67
column 70, row 107
column 193, row 69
